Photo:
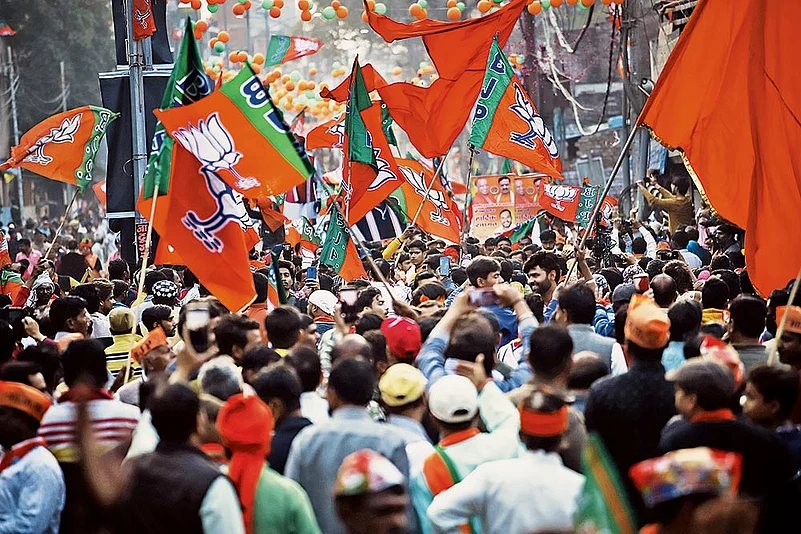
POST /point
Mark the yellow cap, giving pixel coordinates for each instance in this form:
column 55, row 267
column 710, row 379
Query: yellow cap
column 401, row 384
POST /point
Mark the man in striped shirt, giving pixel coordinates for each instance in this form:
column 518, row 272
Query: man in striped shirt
column 112, row 423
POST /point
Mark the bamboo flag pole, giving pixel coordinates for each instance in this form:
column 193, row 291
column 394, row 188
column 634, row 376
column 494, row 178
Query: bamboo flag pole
column 467, row 196
column 428, row 189
column 61, row 226
column 142, row 270
column 774, row 351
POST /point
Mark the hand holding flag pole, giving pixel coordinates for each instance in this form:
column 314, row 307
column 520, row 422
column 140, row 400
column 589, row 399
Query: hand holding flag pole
column 61, row 226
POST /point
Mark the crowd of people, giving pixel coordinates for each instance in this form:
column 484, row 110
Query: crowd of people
column 452, row 389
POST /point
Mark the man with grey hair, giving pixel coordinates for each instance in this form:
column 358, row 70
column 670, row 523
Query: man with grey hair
column 220, row 378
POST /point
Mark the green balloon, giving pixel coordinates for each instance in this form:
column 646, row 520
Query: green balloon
column 213, row 8
column 461, row 6
column 219, row 47
column 423, row 4
column 582, row 7
column 545, row 4
column 380, row 8
column 309, row 93
column 242, row 1
column 336, row 64
column 267, row 4
column 294, row 76
column 329, row 13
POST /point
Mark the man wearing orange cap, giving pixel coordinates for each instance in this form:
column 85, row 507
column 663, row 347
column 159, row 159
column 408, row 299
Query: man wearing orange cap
column 530, row 493
column 271, row 503
column 32, row 491
column 789, row 346
column 630, row 410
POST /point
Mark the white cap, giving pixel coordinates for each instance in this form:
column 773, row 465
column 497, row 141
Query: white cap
column 325, row 300
column 453, row 399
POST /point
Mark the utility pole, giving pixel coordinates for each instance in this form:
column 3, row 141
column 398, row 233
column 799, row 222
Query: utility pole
column 66, row 190
column 14, row 82
column 136, row 65
column 624, row 131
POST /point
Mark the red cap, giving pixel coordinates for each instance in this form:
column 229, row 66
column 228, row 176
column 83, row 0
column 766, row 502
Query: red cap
column 403, row 337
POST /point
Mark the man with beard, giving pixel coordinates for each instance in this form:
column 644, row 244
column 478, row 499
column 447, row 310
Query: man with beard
column 505, row 196
column 544, row 270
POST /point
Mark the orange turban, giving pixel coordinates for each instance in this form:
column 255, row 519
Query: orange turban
column 24, row 398
column 646, row 325
column 246, row 426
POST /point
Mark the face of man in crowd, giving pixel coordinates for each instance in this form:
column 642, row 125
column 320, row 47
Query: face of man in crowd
column 483, row 186
column 168, row 326
column 377, row 306
column 540, row 281
column 548, row 245
column 309, row 336
column 756, row 409
column 491, row 279
column 789, row 347
column 107, row 304
column 25, row 248
column 505, row 184
column 506, row 219
column 286, row 277
column 81, row 324
column 416, row 256
column 157, row 359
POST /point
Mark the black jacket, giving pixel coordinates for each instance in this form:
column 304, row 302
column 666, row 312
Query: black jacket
column 285, row 433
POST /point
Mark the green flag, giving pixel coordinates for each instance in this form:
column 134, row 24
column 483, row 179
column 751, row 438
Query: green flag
column 358, row 146
column 338, row 251
column 506, row 167
column 603, row 506
column 275, row 256
column 587, row 198
column 188, row 83
column 386, row 123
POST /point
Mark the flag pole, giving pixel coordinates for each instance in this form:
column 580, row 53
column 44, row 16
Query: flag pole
column 428, row 189
column 597, row 208
column 373, row 265
column 774, row 351
column 467, row 195
column 61, row 226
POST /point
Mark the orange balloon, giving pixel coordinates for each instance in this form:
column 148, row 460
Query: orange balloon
column 416, row 10
column 310, row 85
column 534, row 7
column 587, row 3
column 223, row 36
column 290, row 85
column 247, row 5
column 258, row 59
column 556, row 3
column 606, row 2
column 454, row 13
column 238, row 9
column 572, row 2
column 484, row 6
column 342, row 12
column 277, row 3
column 312, row 71
column 256, row 68
column 371, row 5
column 196, row 4
column 305, row 16
column 243, row 56
column 212, row 43
column 233, row 57
column 335, row 4
column 303, row 5
column 397, row 71
column 451, row 3
column 201, row 25
column 364, row 16
column 275, row 12
column 302, row 85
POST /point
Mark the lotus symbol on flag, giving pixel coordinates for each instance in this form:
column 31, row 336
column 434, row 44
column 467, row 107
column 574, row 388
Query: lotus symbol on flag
column 560, row 193
column 211, row 143
column 65, row 133
column 437, row 198
column 230, row 208
column 536, row 126
column 337, row 129
column 385, row 173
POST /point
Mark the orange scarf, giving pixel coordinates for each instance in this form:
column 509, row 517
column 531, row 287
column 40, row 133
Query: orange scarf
column 246, row 426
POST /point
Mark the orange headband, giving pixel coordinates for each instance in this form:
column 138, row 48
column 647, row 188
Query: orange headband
column 543, row 425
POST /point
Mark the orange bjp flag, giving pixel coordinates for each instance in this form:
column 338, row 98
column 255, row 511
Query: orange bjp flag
column 330, row 134
column 729, row 98
column 207, row 228
column 440, row 215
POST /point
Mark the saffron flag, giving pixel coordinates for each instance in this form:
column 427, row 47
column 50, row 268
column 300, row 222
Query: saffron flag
column 143, row 23
column 100, row 191
column 235, row 131
column 330, row 134
column 729, row 98
column 6, row 30
column 561, row 201
column 207, row 227
column 369, row 167
column 63, row 147
column 602, row 505
column 506, row 122
column 10, row 283
column 440, row 215
column 338, row 250
column 188, row 83
column 283, row 48
column 434, row 116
